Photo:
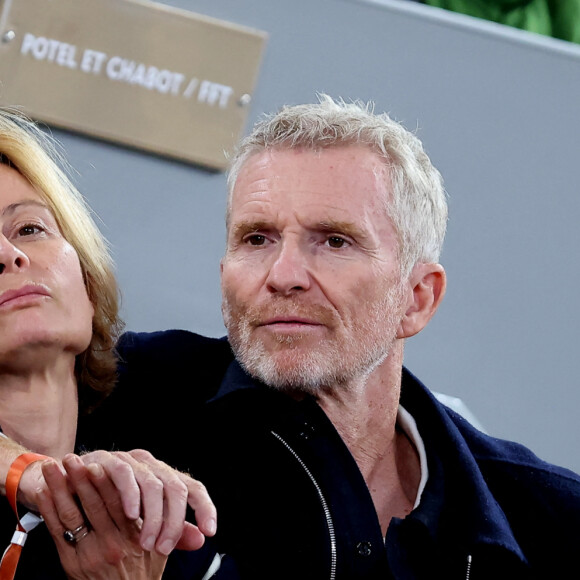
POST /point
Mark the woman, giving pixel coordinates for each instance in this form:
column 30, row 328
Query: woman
column 58, row 326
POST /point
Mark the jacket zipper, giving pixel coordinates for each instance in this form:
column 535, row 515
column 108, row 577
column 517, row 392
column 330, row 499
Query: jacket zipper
column 468, row 571
column 327, row 514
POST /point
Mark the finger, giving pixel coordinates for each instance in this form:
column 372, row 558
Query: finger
column 145, row 487
column 108, row 492
column 47, row 510
column 92, row 503
column 123, row 478
column 67, row 509
column 115, row 543
column 191, row 538
column 179, row 489
column 199, row 500
column 163, row 498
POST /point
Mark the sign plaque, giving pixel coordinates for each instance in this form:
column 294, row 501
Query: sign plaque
column 139, row 73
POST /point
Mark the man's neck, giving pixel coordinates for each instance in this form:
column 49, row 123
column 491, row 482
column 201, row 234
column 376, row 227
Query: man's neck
column 365, row 415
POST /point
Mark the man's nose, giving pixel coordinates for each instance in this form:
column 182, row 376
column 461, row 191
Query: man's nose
column 289, row 272
column 12, row 259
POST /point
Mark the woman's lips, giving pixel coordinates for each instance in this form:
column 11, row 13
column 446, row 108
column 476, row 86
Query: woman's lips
column 23, row 295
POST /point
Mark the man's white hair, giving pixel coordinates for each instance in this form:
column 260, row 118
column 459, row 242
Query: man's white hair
column 418, row 205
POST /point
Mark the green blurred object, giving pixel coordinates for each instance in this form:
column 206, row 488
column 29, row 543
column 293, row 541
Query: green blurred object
column 557, row 18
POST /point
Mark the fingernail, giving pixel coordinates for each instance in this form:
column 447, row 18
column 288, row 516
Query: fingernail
column 72, row 460
column 211, row 525
column 166, row 547
column 95, row 469
column 149, row 543
column 50, row 466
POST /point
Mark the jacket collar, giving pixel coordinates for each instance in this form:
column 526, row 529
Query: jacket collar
column 236, row 379
column 462, row 500
column 453, row 506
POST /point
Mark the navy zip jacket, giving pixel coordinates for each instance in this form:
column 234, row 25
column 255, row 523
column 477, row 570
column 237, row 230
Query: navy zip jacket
column 292, row 503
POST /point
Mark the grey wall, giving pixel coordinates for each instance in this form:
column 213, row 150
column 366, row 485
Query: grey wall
column 499, row 112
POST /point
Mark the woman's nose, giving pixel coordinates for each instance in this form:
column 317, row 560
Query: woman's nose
column 12, row 259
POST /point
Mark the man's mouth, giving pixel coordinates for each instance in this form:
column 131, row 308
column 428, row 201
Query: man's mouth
column 289, row 321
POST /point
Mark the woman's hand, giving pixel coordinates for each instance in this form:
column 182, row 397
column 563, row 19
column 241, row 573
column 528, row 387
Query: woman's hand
column 148, row 488
column 102, row 544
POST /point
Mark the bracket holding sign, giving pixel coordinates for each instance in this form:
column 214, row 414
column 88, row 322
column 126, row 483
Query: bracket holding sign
column 135, row 72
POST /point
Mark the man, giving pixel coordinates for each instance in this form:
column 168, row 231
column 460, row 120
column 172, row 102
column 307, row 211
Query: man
column 324, row 456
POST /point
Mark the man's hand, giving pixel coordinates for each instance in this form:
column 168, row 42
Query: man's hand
column 159, row 494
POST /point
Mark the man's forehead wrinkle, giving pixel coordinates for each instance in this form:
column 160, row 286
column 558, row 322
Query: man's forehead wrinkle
column 316, row 194
column 257, row 185
column 252, row 179
column 259, row 211
column 249, row 201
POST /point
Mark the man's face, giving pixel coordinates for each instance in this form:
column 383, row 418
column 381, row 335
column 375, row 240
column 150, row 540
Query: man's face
column 312, row 294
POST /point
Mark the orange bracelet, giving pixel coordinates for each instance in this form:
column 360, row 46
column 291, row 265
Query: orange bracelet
column 11, row 556
column 15, row 474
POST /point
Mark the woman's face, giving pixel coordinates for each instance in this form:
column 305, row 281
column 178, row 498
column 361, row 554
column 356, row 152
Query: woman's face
column 44, row 307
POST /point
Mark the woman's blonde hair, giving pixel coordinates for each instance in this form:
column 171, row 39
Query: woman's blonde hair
column 35, row 155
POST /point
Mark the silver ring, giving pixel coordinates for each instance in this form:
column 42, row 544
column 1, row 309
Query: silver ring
column 76, row 535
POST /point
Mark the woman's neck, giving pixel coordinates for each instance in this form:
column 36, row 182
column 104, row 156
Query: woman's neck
column 39, row 406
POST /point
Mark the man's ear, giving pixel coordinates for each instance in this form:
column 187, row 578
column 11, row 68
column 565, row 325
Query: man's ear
column 426, row 287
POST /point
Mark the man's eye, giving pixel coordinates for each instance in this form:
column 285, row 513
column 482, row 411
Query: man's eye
column 336, row 242
column 256, row 240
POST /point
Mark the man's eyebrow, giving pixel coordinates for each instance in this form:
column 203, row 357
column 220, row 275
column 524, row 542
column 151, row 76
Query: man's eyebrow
column 10, row 209
column 342, row 227
column 331, row 226
column 242, row 228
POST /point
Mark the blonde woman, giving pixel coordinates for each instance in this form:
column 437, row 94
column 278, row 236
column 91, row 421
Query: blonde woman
column 109, row 515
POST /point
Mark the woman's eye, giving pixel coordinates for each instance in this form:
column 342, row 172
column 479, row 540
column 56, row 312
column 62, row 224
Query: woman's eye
column 29, row 230
column 336, row 242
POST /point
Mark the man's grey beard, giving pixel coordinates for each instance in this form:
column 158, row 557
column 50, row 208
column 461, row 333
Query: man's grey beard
column 331, row 364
